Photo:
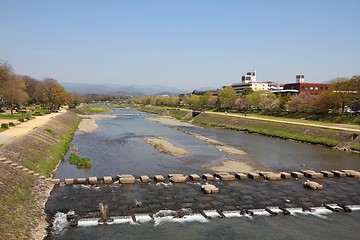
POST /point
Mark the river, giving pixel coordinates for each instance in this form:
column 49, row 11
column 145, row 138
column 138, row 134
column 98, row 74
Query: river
column 117, row 147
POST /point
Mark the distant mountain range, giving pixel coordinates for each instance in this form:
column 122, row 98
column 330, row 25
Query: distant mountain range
column 121, row 90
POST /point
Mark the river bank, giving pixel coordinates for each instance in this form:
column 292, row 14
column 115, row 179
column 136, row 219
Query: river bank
column 23, row 195
column 337, row 139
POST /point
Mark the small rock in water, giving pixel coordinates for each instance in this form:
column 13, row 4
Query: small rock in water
column 287, row 200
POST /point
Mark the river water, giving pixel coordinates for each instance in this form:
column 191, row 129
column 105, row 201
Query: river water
column 117, row 147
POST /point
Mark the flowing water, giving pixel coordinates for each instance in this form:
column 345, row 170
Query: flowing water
column 117, row 147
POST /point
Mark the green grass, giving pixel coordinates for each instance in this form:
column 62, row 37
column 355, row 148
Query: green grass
column 276, row 133
column 50, row 131
column 46, row 163
column 80, row 162
column 356, row 147
column 97, row 110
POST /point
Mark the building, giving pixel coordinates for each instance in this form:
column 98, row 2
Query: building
column 249, row 81
column 303, row 87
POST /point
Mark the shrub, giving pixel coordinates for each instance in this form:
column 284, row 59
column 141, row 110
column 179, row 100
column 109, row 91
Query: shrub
column 11, row 124
column 5, row 125
column 80, row 162
column 37, row 114
column 21, row 120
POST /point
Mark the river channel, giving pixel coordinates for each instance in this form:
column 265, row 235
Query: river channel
column 117, row 147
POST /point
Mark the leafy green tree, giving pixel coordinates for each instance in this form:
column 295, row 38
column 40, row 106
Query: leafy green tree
column 247, row 91
column 227, row 98
column 347, row 92
column 194, row 101
column 204, row 99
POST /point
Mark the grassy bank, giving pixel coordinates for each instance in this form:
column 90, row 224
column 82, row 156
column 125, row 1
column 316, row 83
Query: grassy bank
column 325, row 137
column 23, row 195
column 173, row 112
column 45, row 160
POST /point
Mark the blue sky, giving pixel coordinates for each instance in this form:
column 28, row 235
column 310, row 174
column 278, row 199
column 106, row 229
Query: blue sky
column 185, row 44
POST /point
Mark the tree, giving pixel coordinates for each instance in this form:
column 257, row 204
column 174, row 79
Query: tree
column 31, row 85
column 52, row 93
column 212, row 101
column 347, row 92
column 304, row 102
column 193, row 100
column 241, row 103
column 6, row 74
column 204, row 99
column 247, row 91
column 227, row 98
column 255, row 98
column 15, row 94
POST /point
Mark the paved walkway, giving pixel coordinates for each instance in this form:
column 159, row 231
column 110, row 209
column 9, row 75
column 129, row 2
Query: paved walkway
column 349, row 128
column 26, row 127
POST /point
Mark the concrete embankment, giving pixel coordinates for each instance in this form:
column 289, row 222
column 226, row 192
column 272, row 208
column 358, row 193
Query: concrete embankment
column 23, row 193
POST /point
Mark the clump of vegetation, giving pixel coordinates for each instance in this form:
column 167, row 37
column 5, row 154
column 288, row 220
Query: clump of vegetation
column 49, row 131
column 103, row 208
column 80, row 162
column 356, row 147
column 21, row 120
column 5, row 125
column 97, row 110
column 11, row 124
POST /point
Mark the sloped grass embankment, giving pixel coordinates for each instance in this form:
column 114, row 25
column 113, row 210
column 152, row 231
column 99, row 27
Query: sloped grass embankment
column 22, row 195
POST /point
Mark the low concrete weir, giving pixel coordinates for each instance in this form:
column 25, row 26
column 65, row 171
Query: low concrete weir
column 222, row 176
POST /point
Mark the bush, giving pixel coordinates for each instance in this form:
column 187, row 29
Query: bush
column 38, row 114
column 11, row 124
column 80, row 162
column 21, row 120
column 4, row 125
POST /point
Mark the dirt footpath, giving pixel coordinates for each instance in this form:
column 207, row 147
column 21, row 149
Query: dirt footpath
column 26, row 127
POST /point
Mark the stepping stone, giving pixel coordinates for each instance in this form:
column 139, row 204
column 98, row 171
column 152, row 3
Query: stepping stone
column 195, row 177
column 2, row 159
column 209, row 189
column 145, row 179
column 285, row 175
column 8, row 162
column 42, row 177
column 55, row 181
column 69, row 181
column 177, row 178
column 19, row 167
column 224, row 176
column 208, row 177
column 159, row 178
column 36, row 174
column 126, row 179
column 312, row 174
column 241, row 176
column 93, row 180
column 254, row 176
column 339, row 173
column 327, row 174
column 271, row 176
column 352, row 173
column 31, row 172
column 108, row 179
column 313, row 185
column 14, row 164
column 81, row 180
column 297, row 174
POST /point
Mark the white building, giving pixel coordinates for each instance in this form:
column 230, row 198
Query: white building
column 249, row 81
